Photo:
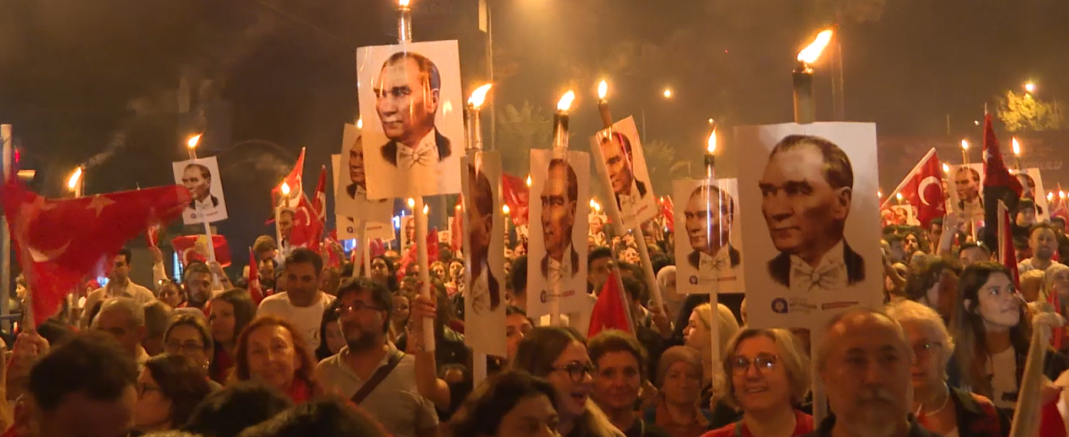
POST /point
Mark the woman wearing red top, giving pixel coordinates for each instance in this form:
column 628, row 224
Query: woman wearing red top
column 273, row 351
column 767, row 376
column 229, row 314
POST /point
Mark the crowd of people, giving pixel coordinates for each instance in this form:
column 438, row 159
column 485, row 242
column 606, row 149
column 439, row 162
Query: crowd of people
column 322, row 351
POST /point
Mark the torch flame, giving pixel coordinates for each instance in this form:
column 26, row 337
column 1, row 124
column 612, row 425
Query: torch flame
column 946, row 168
column 603, row 88
column 1050, row 196
column 965, row 144
column 1016, row 147
column 73, row 181
column 879, row 193
column 477, row 97
column 565, row 102
column 192, row 143
column 426, row 209
column 811, row 53
column 403, row 3
column 712, row 143
column 285, row 189
column 594, row 204
column 528, row 180
column 898, row 196
column 411, row 202
column 1061, row 194
column 360, row 123
column 505, row 209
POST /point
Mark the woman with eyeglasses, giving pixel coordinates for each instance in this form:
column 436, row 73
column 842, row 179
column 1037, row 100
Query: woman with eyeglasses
column 172, row 294
column 168, row 390
column 767, row 377
column 559, row 355
column 991, row 333
column 940, row 408
column 229, row 313
column 189, row 336
column 273, row 351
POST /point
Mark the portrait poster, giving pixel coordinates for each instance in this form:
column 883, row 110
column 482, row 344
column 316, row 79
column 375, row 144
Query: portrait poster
column 484, row 293
column 621, row 164
column 412, row 107
column 905, row 214
column 201, row 177
column 814, row 247
column 708, row 236
column 966, row 191
column 557, row 247
column 408, row 231
column 374, row 214
column 1032, row 183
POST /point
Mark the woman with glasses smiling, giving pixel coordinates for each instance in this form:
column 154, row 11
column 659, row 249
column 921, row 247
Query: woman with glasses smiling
column 939, row 407
column 559, row 355
column 767, row 377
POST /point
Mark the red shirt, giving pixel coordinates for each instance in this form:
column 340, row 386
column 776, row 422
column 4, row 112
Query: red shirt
column 223, row 363
column 803, row 424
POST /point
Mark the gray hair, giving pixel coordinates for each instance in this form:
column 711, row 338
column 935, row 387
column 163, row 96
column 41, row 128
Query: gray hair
column 1048, row 279
column 789, row 355
column 157, row 318
column 824, row 347
column 133, row 309
column 908, row 311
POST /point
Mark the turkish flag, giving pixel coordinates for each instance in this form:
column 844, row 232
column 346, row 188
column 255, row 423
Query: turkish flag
column 999, row 185
column 319, row 204
column 153, row 235
column 610, row 311
column 923, row 189
column 412, row 256
column 295, row 182
column 307, row 228
column 59, row 242
column 668, row 209
column 517, row 196
column 195, row 248
column 255, row 290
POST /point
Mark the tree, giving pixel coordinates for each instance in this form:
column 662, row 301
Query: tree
column 663, row 166
column 520, row 130
column 1023, row 112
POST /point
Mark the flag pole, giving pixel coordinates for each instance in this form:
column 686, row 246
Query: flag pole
column 366, row 251
column 714, row 291
column 560, row 151
column 474, row 148
column 5, row 240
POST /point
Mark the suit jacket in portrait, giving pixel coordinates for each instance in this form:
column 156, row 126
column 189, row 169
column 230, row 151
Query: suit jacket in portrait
column 641, row 187
column 780, row 267
column 575, row 264
column 733, row 254
column 389, row 151
column 351, row 189
column 215, row 202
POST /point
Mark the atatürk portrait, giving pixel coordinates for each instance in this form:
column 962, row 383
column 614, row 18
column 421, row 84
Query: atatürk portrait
column 485, row 292
column 407, row 95
column 198, row 180
column 708, row 217
column 616, row 150
column 806, row 193
column 559, row 203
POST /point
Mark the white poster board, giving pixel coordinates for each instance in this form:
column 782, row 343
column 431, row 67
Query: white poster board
column 484, row 293
column 708, row 235
column 621, row 163
column 203, row 180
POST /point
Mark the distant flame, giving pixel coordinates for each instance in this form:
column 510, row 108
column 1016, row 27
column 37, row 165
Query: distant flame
column 426, row 209
column 965, row 144
column 811, row 53
column 565, row 102
column 192, row 143
column 73, row 181
column 946, row 168
column 477, row 97
column 879, row 194
column 603, row 89
column 712, row 143
column 1016, row 146
column 360, row 123
column 285, row 189
column 898, row 196
column 528, row 180
column 411, row 202
column 594, row 204
column 505, row 209
column 1050, row 196
column 1061, row 194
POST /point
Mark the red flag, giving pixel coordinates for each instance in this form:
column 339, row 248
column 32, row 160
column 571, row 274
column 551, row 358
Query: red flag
column 319, row 204
column 412, row 256
column 611, row 309
column 255, row 290
column 1007, row 254
column 195, row 248
column 668, row 210
column 456, row 234
column 923, row 188
column 153, row 235
column 307, row 228
column 517, row 196
column 331, row 256
column 295, row 181
column 1057, row 207
column 59, row 242
column 999, row 185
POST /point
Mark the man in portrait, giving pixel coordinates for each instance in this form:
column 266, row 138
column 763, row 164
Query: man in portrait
column 967, row 182
column 559, row 203
column 708, row 217
column 485, row 291
column 806, row 193
column 357, row 187
column 1028, row 184
column 407, row 94
column 616, row 150
column 198, row 180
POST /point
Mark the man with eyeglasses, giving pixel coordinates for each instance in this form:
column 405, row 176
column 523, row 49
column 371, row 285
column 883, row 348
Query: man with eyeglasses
column 124, row 319
column 370, row 370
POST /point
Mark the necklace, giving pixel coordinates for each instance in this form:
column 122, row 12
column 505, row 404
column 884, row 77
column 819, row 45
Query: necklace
column 946, row 400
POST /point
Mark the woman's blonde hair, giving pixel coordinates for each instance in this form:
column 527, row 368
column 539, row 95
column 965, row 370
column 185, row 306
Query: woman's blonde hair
column 728, row 325
column 789, row 355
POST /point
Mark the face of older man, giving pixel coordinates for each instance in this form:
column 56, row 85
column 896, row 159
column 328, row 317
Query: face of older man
column 618, row 166
column 867, row 374
column 803, row 212
column 405, row 102
column 198, row 185
column 700, row 223
column 558, row 212
column 967, row 182
column 356, row 163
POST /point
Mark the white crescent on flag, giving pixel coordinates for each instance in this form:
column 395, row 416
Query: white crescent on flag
column 923, row 186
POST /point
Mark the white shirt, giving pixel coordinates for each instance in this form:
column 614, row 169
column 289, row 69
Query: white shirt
column 1026, row 266
column 628, row 201
column 480, row 293
column 423, row 157
column 829, row 274
column 204, row 205
column 136, row 292
column 721, row 264
column 1002, row 367
column 307, row 319
column 558, row 271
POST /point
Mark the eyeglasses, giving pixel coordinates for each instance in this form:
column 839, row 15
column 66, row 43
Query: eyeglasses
column 924, row 349
column 189, row 347
column 355, row 307
column 763, row 362
column 576, row 370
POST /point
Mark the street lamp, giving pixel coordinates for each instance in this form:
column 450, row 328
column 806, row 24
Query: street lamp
column 1030, row 87
column 667, row 93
